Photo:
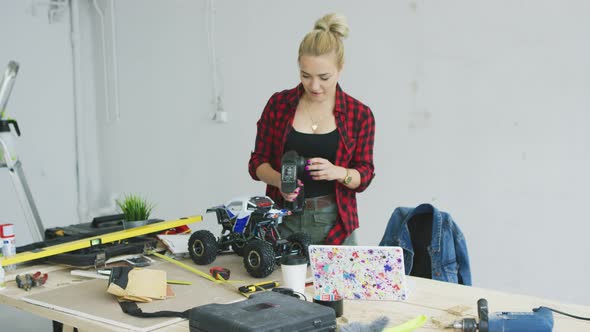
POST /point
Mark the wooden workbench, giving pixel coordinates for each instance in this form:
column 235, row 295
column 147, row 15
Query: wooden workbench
column 441, row 302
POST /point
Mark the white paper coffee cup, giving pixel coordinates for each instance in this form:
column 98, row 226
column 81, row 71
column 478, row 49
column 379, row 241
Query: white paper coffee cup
column 294, row 271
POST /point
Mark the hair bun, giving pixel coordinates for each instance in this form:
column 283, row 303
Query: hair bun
column 334, row 23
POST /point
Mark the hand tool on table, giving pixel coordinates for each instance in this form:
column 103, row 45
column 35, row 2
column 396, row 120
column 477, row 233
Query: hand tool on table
column 539, row 320
column 259, row 286
column 28, row 281
column 219, row 273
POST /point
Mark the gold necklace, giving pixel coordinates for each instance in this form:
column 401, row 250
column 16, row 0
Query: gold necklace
column 314, row 124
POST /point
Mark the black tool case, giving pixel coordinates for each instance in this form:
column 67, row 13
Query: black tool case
column 263, row 312
column 94, row 255
column 99, row 254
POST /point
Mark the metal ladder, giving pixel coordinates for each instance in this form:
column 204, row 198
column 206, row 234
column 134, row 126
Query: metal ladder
column 14, row 165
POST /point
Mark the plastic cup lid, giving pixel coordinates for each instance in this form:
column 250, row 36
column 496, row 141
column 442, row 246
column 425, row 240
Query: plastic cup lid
column 294, row 260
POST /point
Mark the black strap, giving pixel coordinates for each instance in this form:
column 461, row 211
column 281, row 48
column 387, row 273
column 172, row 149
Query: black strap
column 132, row 309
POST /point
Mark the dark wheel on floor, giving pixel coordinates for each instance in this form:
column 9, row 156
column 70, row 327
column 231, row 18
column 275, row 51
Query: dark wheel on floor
column 299, row 244
column 202, row 246
column 259, row 258
column 238, row 247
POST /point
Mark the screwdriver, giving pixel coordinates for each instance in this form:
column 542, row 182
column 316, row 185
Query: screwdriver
column 260, row 286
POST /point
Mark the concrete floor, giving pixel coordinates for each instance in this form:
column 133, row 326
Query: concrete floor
column 15, row 320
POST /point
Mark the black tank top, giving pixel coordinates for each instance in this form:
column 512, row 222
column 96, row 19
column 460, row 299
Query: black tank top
column 313, row 146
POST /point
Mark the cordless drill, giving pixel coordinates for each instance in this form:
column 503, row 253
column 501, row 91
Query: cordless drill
column 539, row 320
column 292, row 168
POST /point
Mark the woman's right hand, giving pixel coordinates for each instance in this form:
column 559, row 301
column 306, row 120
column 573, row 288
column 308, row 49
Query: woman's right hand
column 291, row 197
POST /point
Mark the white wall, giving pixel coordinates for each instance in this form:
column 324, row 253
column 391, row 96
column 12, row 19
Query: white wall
column 479, row 109
column 42, row 103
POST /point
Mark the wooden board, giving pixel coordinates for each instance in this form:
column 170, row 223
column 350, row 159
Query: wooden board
column 90, row 300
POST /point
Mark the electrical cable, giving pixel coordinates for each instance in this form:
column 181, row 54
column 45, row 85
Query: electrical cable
column 289, row 292
column 563, row 313
column 301, row 295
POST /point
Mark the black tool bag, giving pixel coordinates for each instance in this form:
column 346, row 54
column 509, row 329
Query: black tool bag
column 287, row 312
column 98, row 226
column 99, row 254
column 59, row 235
column 94, row 255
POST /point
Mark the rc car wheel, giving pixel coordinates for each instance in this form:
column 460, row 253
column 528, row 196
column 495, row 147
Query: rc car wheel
column 238, row 247
column 259, row 258
column 299, row 244
column 202, row 246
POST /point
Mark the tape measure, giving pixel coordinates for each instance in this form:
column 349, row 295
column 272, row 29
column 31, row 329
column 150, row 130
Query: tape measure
column 219, row 273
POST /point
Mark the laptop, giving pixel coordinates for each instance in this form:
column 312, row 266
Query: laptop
column 358, row 272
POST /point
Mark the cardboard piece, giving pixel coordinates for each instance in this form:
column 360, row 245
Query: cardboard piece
column 135, row 284
column 147, row 283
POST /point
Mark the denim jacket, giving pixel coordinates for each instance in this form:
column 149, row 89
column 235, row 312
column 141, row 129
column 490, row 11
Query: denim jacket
column 448, row 249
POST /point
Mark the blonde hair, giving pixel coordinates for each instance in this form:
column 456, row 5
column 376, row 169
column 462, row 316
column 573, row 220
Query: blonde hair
column 326, row 37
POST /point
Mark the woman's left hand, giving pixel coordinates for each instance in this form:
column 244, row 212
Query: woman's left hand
column 323, row 169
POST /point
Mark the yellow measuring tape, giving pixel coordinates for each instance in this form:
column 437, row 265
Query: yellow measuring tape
column 186, row 267
column 203, row 274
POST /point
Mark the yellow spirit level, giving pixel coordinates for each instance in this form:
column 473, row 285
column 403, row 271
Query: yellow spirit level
column 96, row 240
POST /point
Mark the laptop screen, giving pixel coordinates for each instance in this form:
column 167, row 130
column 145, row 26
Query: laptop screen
column 358, row 272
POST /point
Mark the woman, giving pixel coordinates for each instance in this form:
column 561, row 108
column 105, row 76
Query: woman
column 334, row 131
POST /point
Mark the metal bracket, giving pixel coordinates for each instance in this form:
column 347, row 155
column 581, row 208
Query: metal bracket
column 101, row 259
column 55, row 9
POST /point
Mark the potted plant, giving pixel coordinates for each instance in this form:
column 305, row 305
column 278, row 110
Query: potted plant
column 136, row 210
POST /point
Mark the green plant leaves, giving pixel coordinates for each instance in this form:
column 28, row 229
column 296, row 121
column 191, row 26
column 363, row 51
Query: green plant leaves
column 135, row 207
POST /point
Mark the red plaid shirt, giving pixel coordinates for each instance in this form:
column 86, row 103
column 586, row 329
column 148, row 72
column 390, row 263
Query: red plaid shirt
column 356, row 127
